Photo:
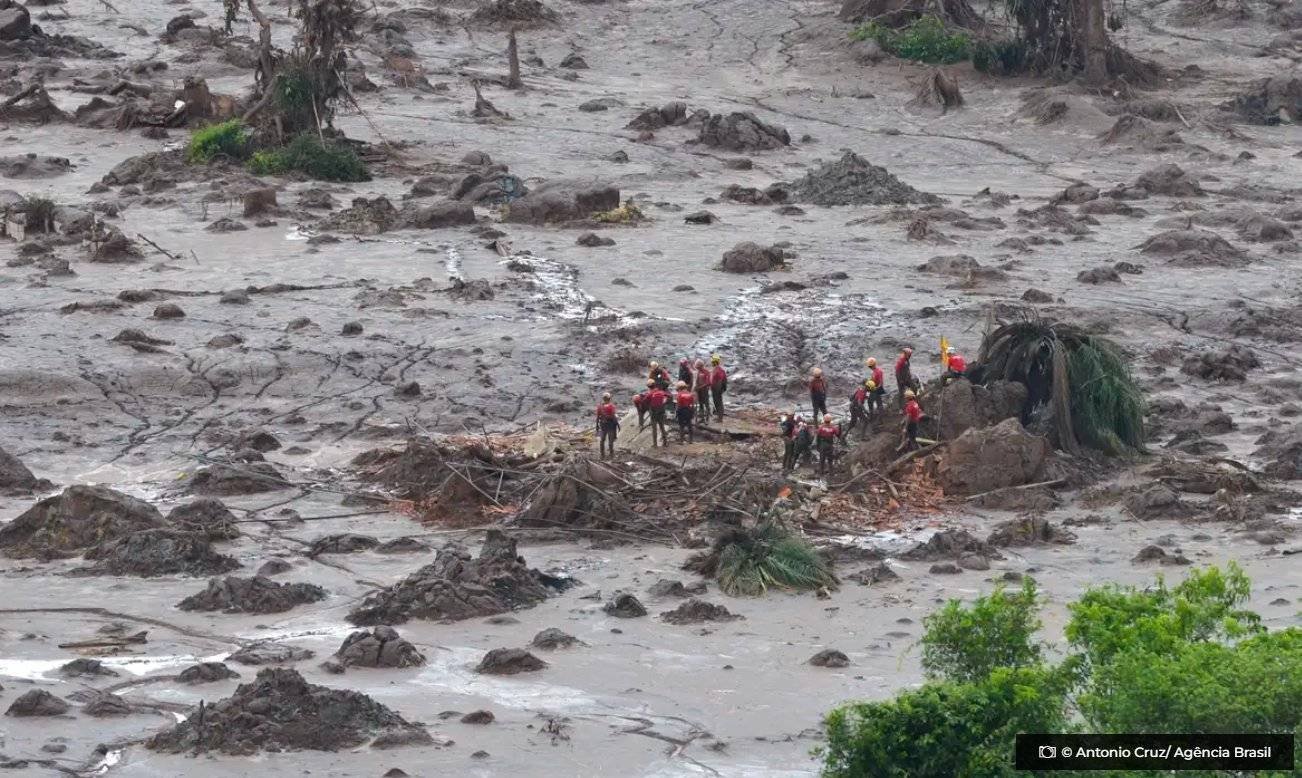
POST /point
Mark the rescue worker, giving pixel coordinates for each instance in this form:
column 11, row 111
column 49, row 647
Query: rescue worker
column 702, row 389
column 877, row 390
column 804, row 441
column 787, row 426
column 957, row 365
column 904, row 374
column 641, row 402
column 857, row 402
column 607, row 425
column 818, row 393
column 685, row 404
column 656, row 400
column 659, row 375
column 685, row 373
column 827, row 434
column 718, row 384
column 912, row 415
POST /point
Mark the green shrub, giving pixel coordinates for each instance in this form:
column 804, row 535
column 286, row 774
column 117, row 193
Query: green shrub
column 925, row 40
column 966, row 644
column 748, row 561
column 1000, row 58
column 308, row 155
column 227, row 139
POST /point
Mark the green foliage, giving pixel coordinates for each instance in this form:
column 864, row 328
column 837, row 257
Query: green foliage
column 308, row 155
column 770, row 556
column 967, row 644
column 925, row 40
column 227, row 139
column 296, row 97
column 1107, row 406
column 950, row 729
column 999, row 58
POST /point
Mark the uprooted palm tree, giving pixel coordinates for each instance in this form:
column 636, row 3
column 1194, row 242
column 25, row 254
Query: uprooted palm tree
column 748, row 561
column 1081, row 382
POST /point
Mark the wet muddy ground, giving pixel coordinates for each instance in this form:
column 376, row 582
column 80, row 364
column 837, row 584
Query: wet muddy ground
column 735, row 698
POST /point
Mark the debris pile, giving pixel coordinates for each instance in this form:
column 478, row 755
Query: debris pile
column 280, row 711
column 206, row 515
column 748, row 257
column 77, row 519
column 155, row 552
column 1029, row 531
column 853, row 180
column 379, row 647
column 695, row 611
column 982, row 460
column 251, row 595
column 742, row 131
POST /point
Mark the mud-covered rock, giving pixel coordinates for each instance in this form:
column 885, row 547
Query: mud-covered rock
column 748, row 257
column 1028, row 531
column 259, row 201
column 1281, row 449
column 625, row 606
column 37, row 702
column 269, row 652
column 1157, row 501
column 280, row 711
column 402, row 546
column 245, row 478
column 562, row 201
column 950, row 544
column 853, row 180
column 1169, row 179
column 509, row 661
column 364, row 217
column 668, row 115
column 742, row 131
column 456, row 586
column 434, row 216
column 1194, row 248
column 1157, row 554
column 258, row 594
column 1099, row 275
column 206, row 672
column 478, row 717
column 1271, row 100
column 696, row 611
column 86, row 666
column 78, row 518
column 969, row 405
column 513, row 13
column 982, row 460
column 155, row 552
column 342, row 543
column 104, row 704
column 16, row 479
column 206, row 515
column 874, row 575
column 1228, row 364
column 593, row 240
column 668, row 588
column 379, row 647
column 830, row 657
column 1263, row 229
column 552, row 639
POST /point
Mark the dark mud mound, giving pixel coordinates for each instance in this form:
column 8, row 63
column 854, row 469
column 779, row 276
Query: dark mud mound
column 38, row 702
column 513, row 13
column 673, row 114
column 509, row 661
column 1281, row 450
column 982, row 460
column 1231, row 363
column 342, row 543
column 950, row 544
column 380, row 647
column 207, row 516
column 1195, row 248
column 1271, row 101
column 562, row 201
column 1170, row 180
column 1029, row 532
column 625, row 606
column 77, row 519
column 830, row 657
column 552, row 639
column 698, row 612
column 874, row 575
column 157, row 552
column 251, row 595
column 269, row 652
column 364, row 217
column 243, row 478
column 206, row 672
column 16, row 479
column 279, row 711
column 456, row 586
column 742, row 131
column 853, row 180
column 748, row 257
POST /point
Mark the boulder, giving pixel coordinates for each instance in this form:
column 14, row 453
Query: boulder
column 259, row 201
column 562, row 201
column 433, row 216
column 625, row 606
column 15, row 23
column 75, row 520
column 742, row 131
column 246, row 478
column 155, row 552
column 748, row 257
column 552, row 639
column 966, row 405
column 1169, row 179
column 258, row 594
column 830, row 657
column 37, row 702
column 509, row 661
column 206, row 672
column 15, row 478
column 981, row 460
column 206, row 515
column 379, row 647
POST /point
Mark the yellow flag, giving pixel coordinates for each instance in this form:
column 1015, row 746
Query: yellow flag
column 944, row 352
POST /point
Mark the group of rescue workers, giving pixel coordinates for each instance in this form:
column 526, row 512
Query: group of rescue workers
column 699, row 391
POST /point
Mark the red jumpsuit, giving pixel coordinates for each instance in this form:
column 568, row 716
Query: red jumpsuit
column 657, row 399
column 718, row 385
column 703, row 390
column 607, row 427
column 827, row 435
column 686, row 409
column 818, row 396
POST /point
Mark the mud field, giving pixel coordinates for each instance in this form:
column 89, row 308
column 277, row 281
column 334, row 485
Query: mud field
column 251, row 358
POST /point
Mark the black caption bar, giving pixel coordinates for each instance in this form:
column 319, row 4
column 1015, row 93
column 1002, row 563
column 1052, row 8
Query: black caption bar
column 1154, row 752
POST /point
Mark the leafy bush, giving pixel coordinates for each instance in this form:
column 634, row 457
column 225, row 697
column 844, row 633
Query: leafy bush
column 308, row 155
column 227, row 139
column 1000, row 58
column 968, row 644
column 749, row 561
column 925, row 40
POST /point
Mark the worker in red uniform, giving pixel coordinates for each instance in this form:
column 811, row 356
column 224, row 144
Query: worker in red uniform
column 658, row 374
column 904, row 379
column 685, row 373
column 685, row 410
column 957, row 365
column 718, row 384
column 912, row 416
column 702, row 389
column 827, row 434
column 641, row 401
column 607, row 425
column 657, row 400
column 878, row 392
column 804, row 441
column 857, row 413
column 818, row 393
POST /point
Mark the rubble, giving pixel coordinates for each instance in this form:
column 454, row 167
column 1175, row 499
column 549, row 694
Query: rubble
column 696, row 611
column 251, row 595
column 1029, row 531
column 742, row 131
column 853, row 180
column 379, row 647
column 342, row 543
column 280, row 711
column 206, row 515
column 75, row 520
column 748, row 257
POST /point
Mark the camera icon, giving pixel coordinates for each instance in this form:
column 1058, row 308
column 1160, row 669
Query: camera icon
column 1048, row 752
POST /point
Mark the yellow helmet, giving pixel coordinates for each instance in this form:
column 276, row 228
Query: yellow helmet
column 871, row 384
column 716, row 359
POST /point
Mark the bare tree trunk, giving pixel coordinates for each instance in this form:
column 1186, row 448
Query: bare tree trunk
column 264, row 45
column 1094, row 40
column 513, row 58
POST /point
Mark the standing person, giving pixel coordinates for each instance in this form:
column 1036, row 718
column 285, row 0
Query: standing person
column 657, row 400
column 827, row 434
column 607, row 425
column 857, row 412
column 641, row 401
column 912, row 415
column 702, row 389
column 876, row 392
column 904, row 374
column 787, row 427
column 718, row 384
column 685, row 373
column 818, row 393
column 659, row 375
column 804, row 440
column 956, row 365
column 685, row 404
